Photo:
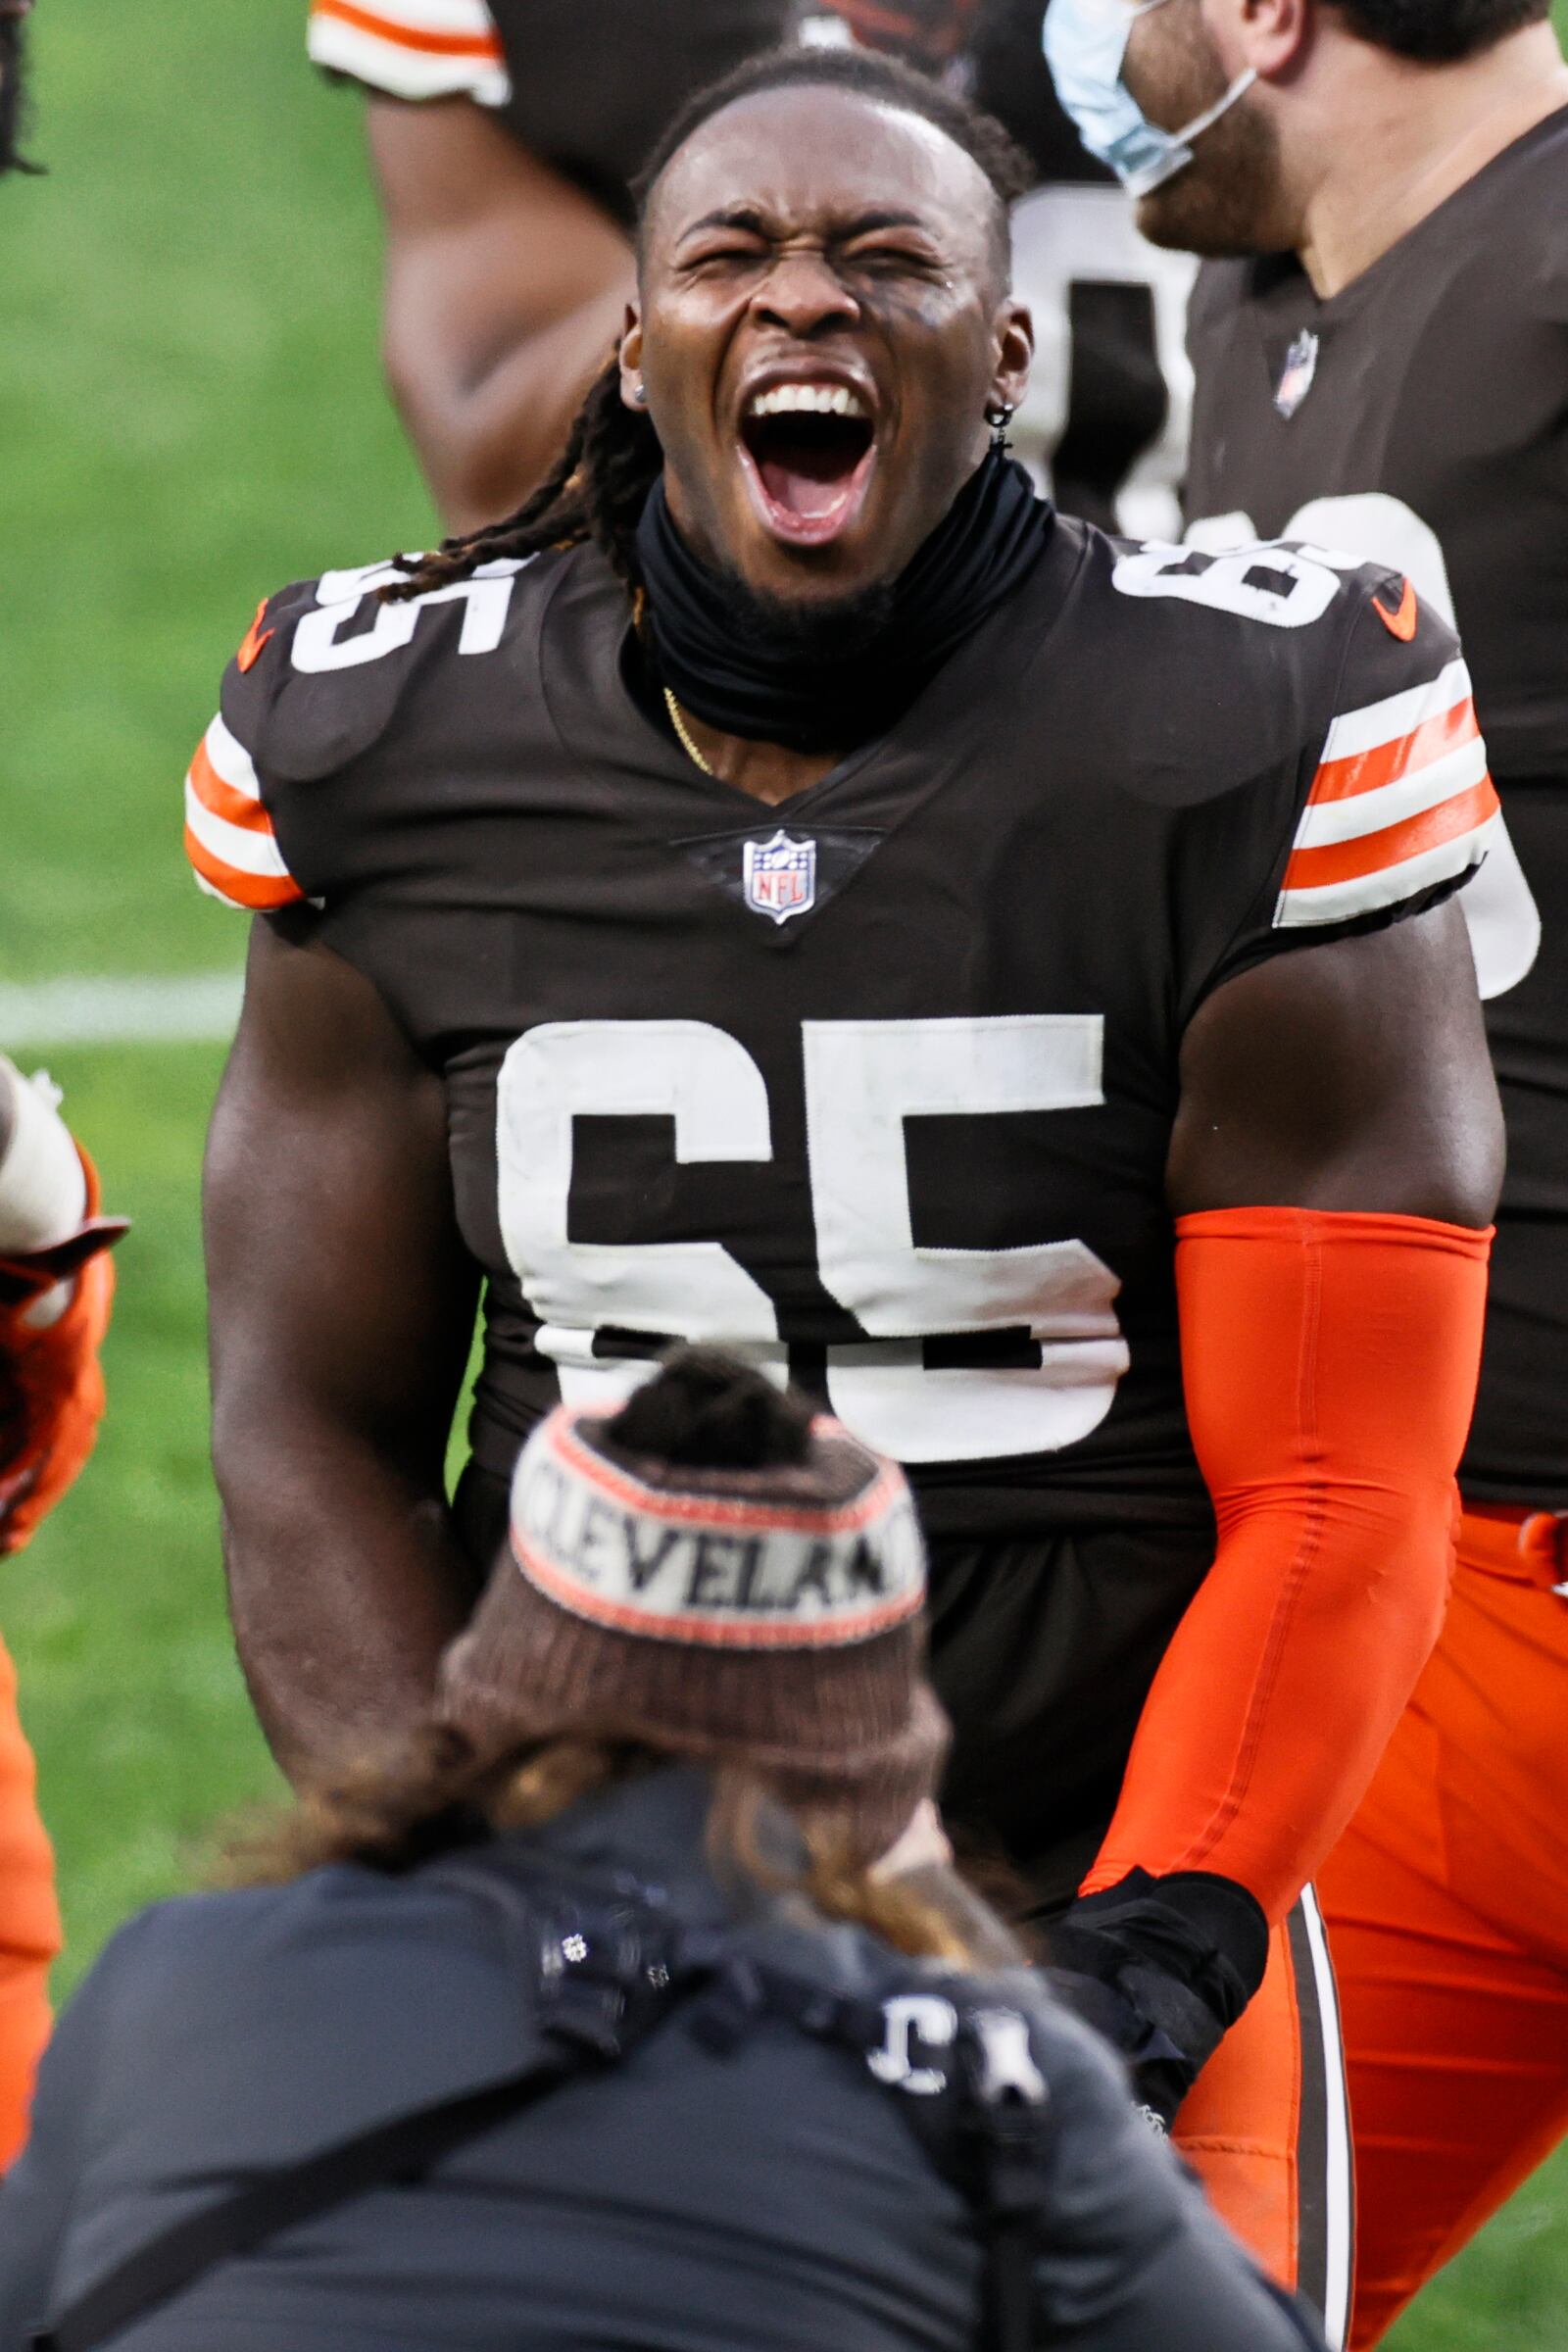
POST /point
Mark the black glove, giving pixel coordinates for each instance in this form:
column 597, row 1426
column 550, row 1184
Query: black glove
column 1162, row 1968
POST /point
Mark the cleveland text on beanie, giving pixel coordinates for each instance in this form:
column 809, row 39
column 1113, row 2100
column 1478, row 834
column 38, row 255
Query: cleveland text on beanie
column 762, row 1606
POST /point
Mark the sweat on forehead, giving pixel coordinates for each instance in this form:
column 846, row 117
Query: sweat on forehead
column 810, row 156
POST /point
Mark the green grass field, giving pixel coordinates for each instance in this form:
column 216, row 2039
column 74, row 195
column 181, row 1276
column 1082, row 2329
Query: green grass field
column 191, row 414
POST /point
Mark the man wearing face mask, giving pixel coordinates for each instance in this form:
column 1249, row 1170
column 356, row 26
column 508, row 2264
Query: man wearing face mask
column 1382, row 366
column 1086, row 45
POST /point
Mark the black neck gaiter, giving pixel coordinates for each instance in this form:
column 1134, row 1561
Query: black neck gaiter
column 723, row 660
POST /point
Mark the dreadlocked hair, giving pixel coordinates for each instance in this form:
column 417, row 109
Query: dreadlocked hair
column 597, row 490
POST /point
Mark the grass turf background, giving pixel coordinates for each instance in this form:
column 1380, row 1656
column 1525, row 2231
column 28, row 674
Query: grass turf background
column 191, row 414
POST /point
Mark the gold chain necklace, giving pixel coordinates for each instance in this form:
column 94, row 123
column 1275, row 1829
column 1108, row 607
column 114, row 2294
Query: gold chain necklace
column 677, row 719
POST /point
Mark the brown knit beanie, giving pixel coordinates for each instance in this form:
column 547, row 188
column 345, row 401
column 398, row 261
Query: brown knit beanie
column 719, row 1574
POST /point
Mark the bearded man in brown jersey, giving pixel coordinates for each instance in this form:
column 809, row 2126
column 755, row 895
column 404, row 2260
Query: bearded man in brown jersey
column 1383, row 368
column 786, row 884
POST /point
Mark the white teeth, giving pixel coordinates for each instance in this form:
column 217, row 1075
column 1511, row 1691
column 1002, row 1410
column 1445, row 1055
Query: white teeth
column 815, row 400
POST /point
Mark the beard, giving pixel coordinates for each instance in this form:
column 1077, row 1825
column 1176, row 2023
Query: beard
column 1228, row 199
column 827, row 630
column 13, row 97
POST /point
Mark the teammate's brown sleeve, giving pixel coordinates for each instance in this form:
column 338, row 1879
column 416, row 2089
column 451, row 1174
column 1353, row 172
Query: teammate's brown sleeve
column 1330, row 1362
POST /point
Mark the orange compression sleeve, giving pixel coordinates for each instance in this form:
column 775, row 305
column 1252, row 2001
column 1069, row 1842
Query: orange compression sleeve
column 1330, row 1363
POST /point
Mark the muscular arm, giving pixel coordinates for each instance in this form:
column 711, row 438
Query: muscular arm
column 342, row 1304
column 1353, row 1076
column 506, row 287
column 1329, row 1360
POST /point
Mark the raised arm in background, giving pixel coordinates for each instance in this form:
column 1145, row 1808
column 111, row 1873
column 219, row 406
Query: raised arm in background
column 506, row 287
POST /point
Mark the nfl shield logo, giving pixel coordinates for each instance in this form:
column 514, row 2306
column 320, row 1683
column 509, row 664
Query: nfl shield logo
column 1300, row 367
column 781, row 878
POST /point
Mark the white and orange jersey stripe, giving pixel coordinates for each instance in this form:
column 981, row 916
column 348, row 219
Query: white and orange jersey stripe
column 229, row 834
column 1401, row 804
column 412, row 48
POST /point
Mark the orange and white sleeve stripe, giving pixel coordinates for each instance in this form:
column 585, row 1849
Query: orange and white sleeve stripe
column 1401, row 803
column 229, row 834
column 412, row 48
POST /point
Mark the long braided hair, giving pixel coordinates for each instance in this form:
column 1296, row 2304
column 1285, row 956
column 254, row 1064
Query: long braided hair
column 599, row 487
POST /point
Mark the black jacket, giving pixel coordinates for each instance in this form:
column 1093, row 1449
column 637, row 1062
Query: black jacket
column 767, row 2198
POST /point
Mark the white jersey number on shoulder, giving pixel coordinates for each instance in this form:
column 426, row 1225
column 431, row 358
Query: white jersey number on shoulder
column 1284, row 587
column 319, row 643
column 864, row 1079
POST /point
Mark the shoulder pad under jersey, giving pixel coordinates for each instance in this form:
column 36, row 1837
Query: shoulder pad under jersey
column 1308, row 723
column 1330, row 674
column 313, row 687
column 1399, row 802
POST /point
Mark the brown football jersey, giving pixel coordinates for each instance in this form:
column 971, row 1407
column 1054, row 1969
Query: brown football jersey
column 876, row 1087
column 1421, row 418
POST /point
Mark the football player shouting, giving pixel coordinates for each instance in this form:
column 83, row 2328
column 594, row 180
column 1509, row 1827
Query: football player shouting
column 56, row 1282
column 786, row 885
column 505, row 138
column 1384, row 367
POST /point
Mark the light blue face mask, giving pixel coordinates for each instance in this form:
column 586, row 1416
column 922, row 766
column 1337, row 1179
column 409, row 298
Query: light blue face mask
column 1086, row 48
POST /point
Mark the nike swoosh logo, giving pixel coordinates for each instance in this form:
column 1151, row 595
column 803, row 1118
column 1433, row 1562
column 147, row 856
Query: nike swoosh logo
column 1403, row 623
column 256, row 637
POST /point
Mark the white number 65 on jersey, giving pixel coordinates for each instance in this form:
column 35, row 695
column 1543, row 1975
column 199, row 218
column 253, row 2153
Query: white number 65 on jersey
column 864, row 1079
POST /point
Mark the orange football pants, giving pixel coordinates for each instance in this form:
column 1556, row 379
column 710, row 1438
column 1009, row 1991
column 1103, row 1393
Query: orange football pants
column 1447, row 1910
column 29, row 1922
column 1266, row 2128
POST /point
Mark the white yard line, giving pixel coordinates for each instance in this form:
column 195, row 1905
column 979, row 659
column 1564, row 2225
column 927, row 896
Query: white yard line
column 201, row 1009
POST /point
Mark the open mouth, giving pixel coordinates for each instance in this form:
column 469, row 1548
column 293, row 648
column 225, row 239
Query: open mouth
column 809, row 451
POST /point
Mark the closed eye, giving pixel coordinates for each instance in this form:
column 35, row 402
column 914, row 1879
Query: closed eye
column 733, row 254
column 884, row 258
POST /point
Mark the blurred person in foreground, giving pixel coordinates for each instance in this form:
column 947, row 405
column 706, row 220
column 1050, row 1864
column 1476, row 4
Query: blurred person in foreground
column 505, row 137
column 639, row 1867
column 1382, row 360
column 788, row 886
column 56, row 1282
